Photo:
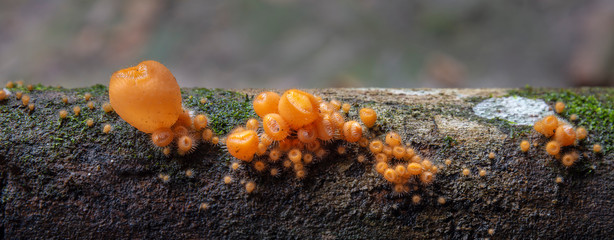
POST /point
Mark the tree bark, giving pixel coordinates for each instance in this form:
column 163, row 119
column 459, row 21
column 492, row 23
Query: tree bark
column 63, row 179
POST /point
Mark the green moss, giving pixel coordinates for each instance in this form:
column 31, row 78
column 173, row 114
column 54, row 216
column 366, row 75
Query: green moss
column 594, row 107
column 225, row 109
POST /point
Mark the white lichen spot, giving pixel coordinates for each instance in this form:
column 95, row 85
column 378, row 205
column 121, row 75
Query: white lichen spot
column 517, row 110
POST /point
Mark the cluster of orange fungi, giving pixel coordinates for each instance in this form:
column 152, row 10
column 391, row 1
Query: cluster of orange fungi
column 297, row 126
column 399, row 163
column 562, row 135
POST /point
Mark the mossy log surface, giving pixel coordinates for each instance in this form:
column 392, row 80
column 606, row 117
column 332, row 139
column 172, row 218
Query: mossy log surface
column 62, row 179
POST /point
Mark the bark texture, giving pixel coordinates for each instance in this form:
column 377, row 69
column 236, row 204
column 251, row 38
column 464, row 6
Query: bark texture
column 62, row 179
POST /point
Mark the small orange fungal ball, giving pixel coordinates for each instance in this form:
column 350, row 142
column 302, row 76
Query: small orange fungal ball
column 87, row 96
column 398, row 152
column 399, row 189
column 261, row 149
column 553, row 148
column 10, row 84
column 596, row 148
column 200, row 121
column 352, row 131
column 185, row 145
column 64, row 99
column 164, row 177
column 525, row 145
column 565, row 135
column 559, row 107
column 414, row 168
column 76, row 110
column 361, row 158
column 162, row 137
column 346, row 107
column 63, row 114
column 18, row 95
column 376, row 146
column 146, row 96
column 265, row 103
column 466, row 172
column 250, row 187
column 259, row 166
column 336, row 104
column 106, row 129
column 106, row 107
column 558, row 180
column 416, row 199
column 390, row 175
column 287, row 164
column 441, row 200
column 25, row 100
column 298, row 108
column 207, row 135
column 549, row 124
column 242, row 144
column 215, row 140
column 426, row 164
column 275, row 126
column 30, row 87
column 90, row 105
column 179, row 131
column 326, row 128
column 427, row 177
column 341, row 150
column 337, row 120
column 89, row 122
column 402, row 171
column 573, row 117
column 482, row 173
column 368, row 117
column 227, row 179
column 381, row 157
column 448, row 161
column 274, row 172
column 235, row 166
column 274, row 155
column 189, row 173
column 307, row 134
column 387, row 150
column 491, row 155
column 3, row 95
column 363, row 142
column 307, row 158
column 300, row 174
column 252, row 124
column 166, row 151
column 295, row 155
column 581, row 133
column 569, row 159
column 31, row 106
column 381, row 167
column 393, row 139
column 184, row 119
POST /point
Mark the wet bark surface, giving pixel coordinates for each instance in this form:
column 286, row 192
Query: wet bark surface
column 63, row 179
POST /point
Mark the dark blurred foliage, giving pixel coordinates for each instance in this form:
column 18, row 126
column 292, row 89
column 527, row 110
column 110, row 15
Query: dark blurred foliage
column 307, row 44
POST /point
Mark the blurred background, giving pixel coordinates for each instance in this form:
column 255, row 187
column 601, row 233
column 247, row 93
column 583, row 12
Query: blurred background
column 312, row 44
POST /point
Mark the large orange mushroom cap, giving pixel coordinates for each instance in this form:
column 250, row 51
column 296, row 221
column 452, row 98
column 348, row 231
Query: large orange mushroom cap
column 146, row 96
column 298, row 108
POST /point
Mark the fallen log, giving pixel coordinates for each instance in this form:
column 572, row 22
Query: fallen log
column 63, row 179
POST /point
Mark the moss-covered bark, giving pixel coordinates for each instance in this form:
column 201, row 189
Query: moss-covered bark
column 62, row 179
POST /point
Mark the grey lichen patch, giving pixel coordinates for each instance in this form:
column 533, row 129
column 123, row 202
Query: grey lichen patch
column 464, row 130
column 516, row 110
